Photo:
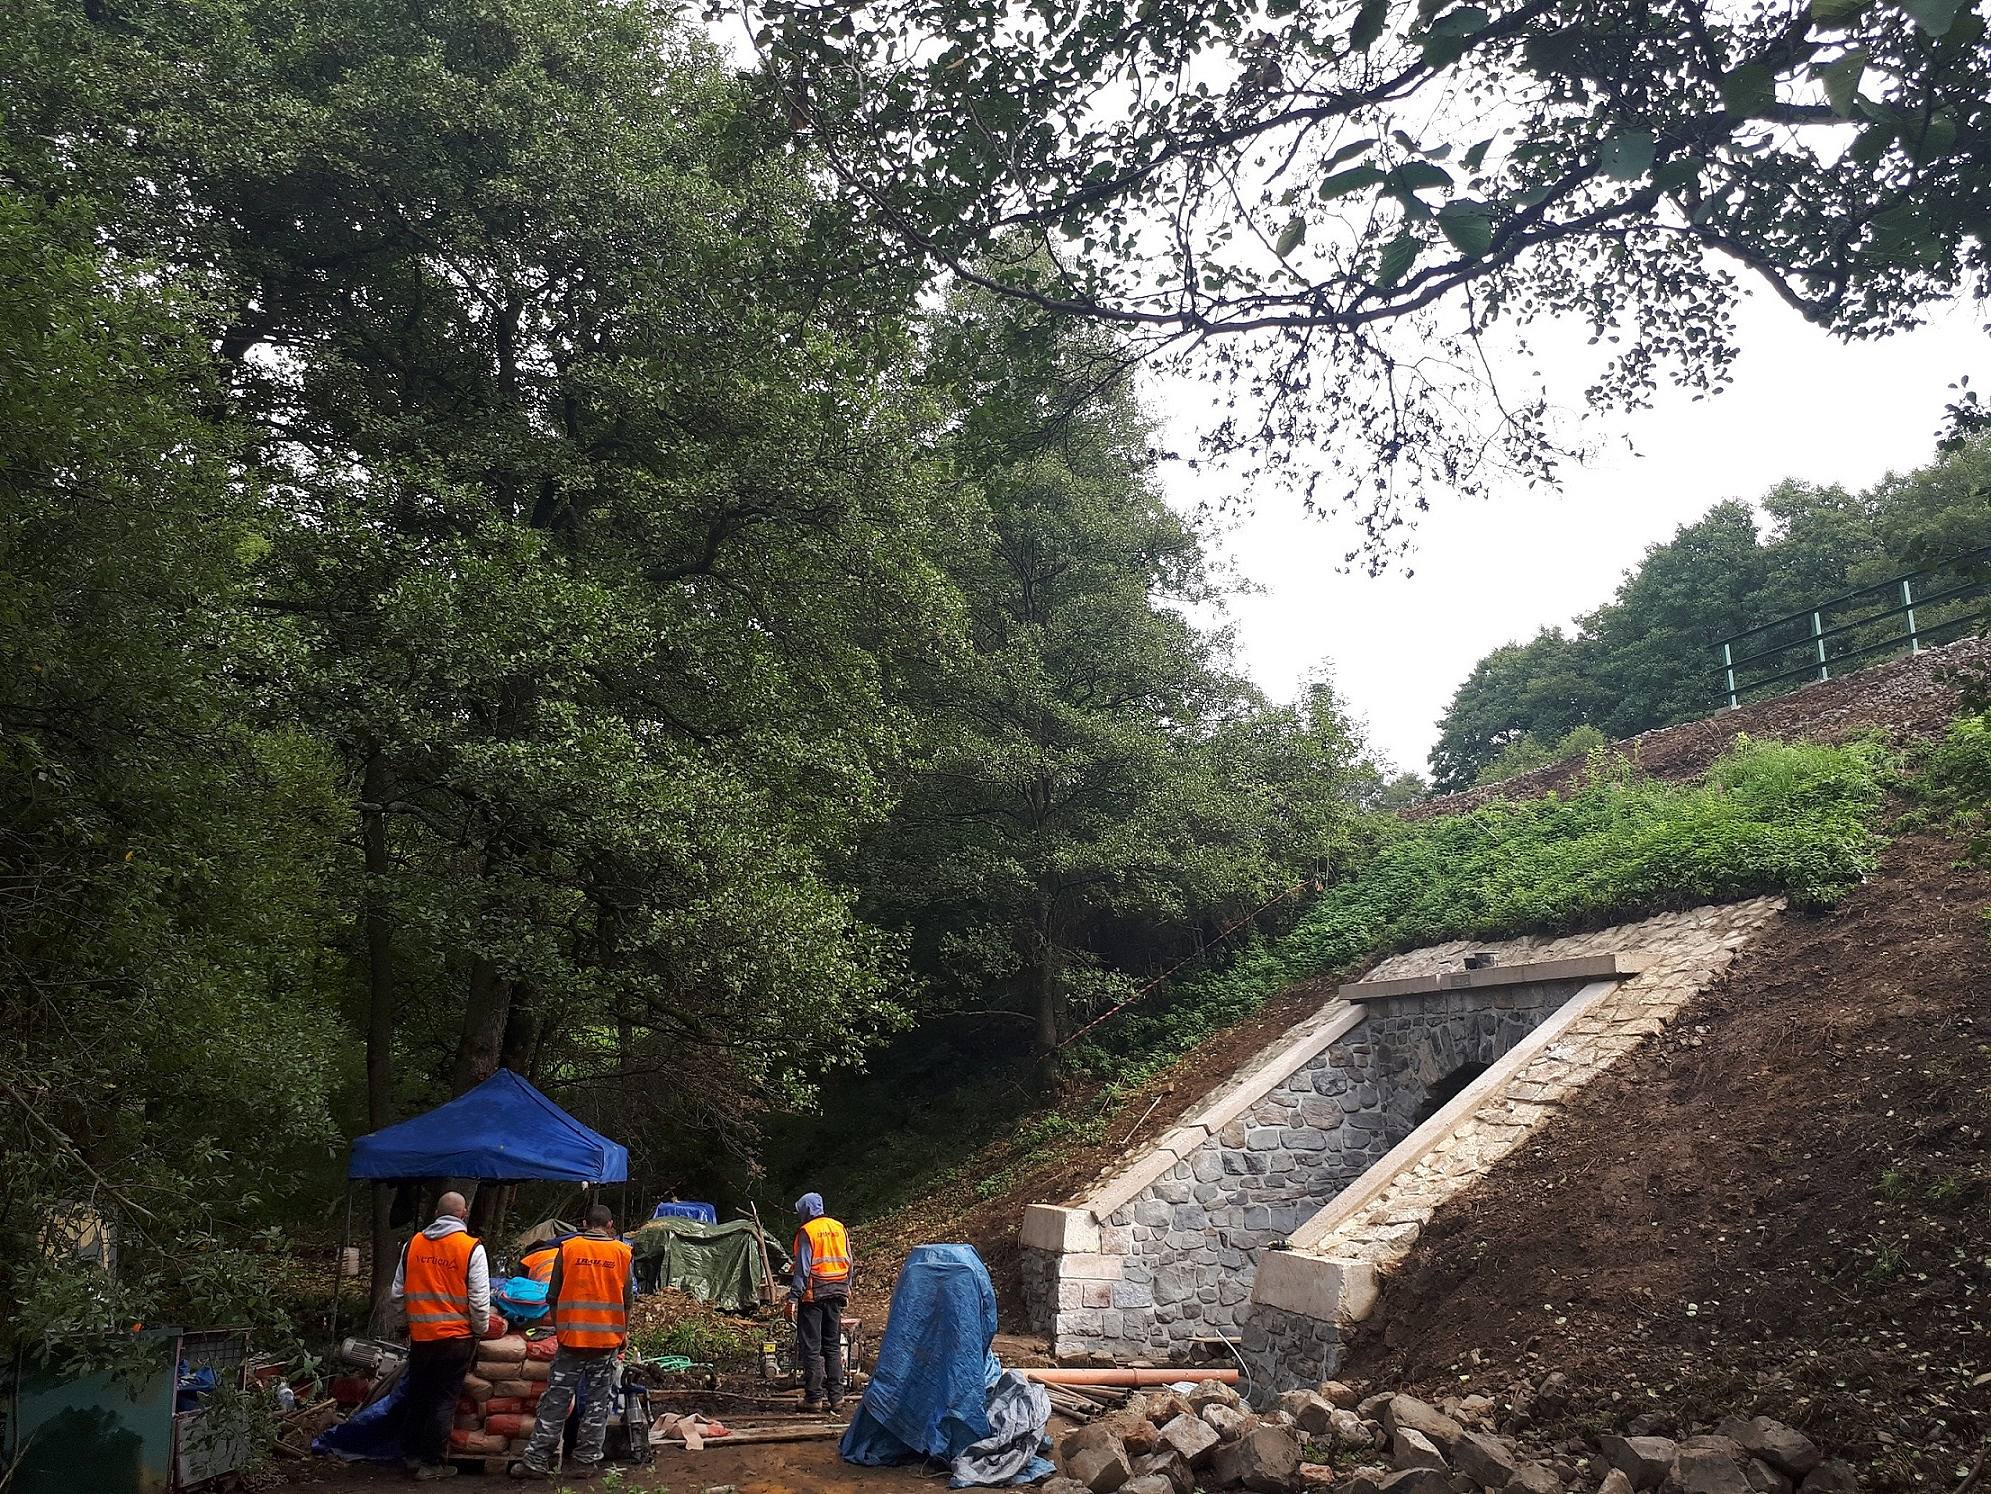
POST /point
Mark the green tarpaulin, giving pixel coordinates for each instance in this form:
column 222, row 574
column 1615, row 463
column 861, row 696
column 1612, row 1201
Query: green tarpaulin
column 716, row 1263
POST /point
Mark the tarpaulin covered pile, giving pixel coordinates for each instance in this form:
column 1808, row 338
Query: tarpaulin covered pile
column 716, row 1263
column 936, row 1392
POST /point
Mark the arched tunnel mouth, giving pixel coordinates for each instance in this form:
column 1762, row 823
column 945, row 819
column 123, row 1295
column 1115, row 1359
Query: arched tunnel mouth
column 1445, row 1091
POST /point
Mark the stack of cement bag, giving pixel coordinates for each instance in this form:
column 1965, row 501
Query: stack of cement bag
column 500, row 1398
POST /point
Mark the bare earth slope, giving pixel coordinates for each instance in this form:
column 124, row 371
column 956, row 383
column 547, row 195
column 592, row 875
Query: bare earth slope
column 1783, row 1204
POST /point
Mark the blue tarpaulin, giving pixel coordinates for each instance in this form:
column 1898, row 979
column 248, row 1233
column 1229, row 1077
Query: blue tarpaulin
column 928, row 1396
column 502, row 1129
column 698, row 1213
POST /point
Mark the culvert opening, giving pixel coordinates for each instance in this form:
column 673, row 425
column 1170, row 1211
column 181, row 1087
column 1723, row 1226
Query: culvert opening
column 1445, row 1091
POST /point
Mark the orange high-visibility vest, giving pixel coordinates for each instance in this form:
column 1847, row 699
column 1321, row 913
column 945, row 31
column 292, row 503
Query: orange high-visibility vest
column 538, row 1266
column 829, row 1255
column 435, row 1287
column 594, row 1283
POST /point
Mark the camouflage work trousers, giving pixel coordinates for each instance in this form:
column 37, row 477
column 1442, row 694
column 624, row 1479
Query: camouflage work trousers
column 586, row 1375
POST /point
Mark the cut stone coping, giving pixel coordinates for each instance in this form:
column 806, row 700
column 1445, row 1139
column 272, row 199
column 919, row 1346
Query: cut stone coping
column 1580, row 967
column 1344, row 1291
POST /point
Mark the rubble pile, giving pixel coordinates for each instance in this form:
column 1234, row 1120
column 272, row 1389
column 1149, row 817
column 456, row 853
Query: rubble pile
column 1332, row 1440
column 500, row 1399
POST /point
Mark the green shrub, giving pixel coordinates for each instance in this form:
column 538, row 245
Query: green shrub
column 1951, row 785
column 1769, row 817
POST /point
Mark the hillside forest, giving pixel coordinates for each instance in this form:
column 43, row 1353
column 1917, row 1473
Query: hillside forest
column 506, row 560
column 1649, row 656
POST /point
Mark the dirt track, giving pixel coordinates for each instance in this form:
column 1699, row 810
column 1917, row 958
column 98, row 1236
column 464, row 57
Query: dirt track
column 779, row 1468
column 1781, row 1205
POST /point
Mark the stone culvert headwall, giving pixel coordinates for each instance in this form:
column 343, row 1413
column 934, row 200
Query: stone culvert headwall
column 1166, row 1253
column 1328, row 1276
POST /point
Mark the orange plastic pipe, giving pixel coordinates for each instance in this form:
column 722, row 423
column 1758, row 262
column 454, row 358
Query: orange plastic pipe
column 1126, row 1376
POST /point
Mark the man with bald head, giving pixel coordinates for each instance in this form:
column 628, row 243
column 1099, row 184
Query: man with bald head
column 443, row 1284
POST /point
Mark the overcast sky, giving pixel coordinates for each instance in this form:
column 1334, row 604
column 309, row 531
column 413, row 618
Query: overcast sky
column 1802, row 405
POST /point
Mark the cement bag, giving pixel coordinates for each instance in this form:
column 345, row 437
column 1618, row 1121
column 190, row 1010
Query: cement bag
column 507, row 1350
column 476, row 1388
column 470, row 1423
column 518, row 1445
column 477, row 1444
column 504, row 1405
column 542, row 1348
column 508, row 1426
column 535, row 1370
column 489, row 1371
column 515, row 1389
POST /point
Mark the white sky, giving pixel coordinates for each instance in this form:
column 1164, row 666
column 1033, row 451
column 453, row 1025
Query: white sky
column 1802, row 405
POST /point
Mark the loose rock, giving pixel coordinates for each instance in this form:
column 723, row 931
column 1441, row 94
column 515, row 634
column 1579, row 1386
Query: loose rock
column 1644, row 1460
column 1265, row 1459
column 1831, row 1477
column 1706, row 1470
column 1784, row 1448
column 1410, row 1448
column 1534, row 1478
column 1417, row 1481
column 1209, row 1392
column 1337, row 1394
column 1310, row 1411
column 1421, row 1416
column 1764, row 1479
column 1483, row 1460
column 1168, row 1465
column 1228, row 1421
column 1190, row 1438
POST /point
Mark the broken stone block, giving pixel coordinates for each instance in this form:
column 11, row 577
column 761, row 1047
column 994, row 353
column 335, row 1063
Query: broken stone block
column 1056, row 1484
column 1417, row 1481
column 1534, row 1478
column 1483, row 1460
column 1266, row 1459
column 1169, row 1465
column 1784, row 1448
column 1214, row 1392
column 1714, row 1442
column 1190, row 1438
column 1165, row 1405
column 1337, row 1394
column 1310, row 1411
column 1644, row 1460
column 1764, row 1479
column 1348, row 1429
column 1136, row 1433
column 1420, row 1416
column 1410, row 1448
column 1095, row 1456
column 1227, row 1421
column 1149, row 1483
column 1706, row 1470
column 1615, row 1482
column 1316, row 1478
column 1831, row 1477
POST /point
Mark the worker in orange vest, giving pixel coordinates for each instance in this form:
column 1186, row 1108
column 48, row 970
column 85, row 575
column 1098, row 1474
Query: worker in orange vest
column 816, row 1301
column 537, row 1263
column 592, row 1291
column 443, row 1285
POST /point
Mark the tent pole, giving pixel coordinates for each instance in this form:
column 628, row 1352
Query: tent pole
column 339, row 1261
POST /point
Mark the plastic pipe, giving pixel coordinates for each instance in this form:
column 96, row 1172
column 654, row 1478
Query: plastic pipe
column 1126, row 1376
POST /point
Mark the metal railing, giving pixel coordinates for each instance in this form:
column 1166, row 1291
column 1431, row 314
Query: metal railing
column 1928, row 601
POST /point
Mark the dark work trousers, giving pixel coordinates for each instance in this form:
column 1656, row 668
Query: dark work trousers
column 819, row 1345
column 435, row 1379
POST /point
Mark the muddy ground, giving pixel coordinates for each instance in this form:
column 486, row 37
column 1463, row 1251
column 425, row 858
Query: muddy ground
column 779, row 1468
column 1782, row 1205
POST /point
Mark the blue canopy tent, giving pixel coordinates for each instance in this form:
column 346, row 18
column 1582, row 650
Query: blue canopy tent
column 504, row 1130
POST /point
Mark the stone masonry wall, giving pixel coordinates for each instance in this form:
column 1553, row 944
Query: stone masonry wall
column 1678, row 954
column 1175, row 1262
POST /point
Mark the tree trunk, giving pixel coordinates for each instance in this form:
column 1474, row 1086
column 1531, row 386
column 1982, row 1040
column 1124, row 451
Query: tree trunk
column 1045, row 995
column 377, row 926
column 486, row 1010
